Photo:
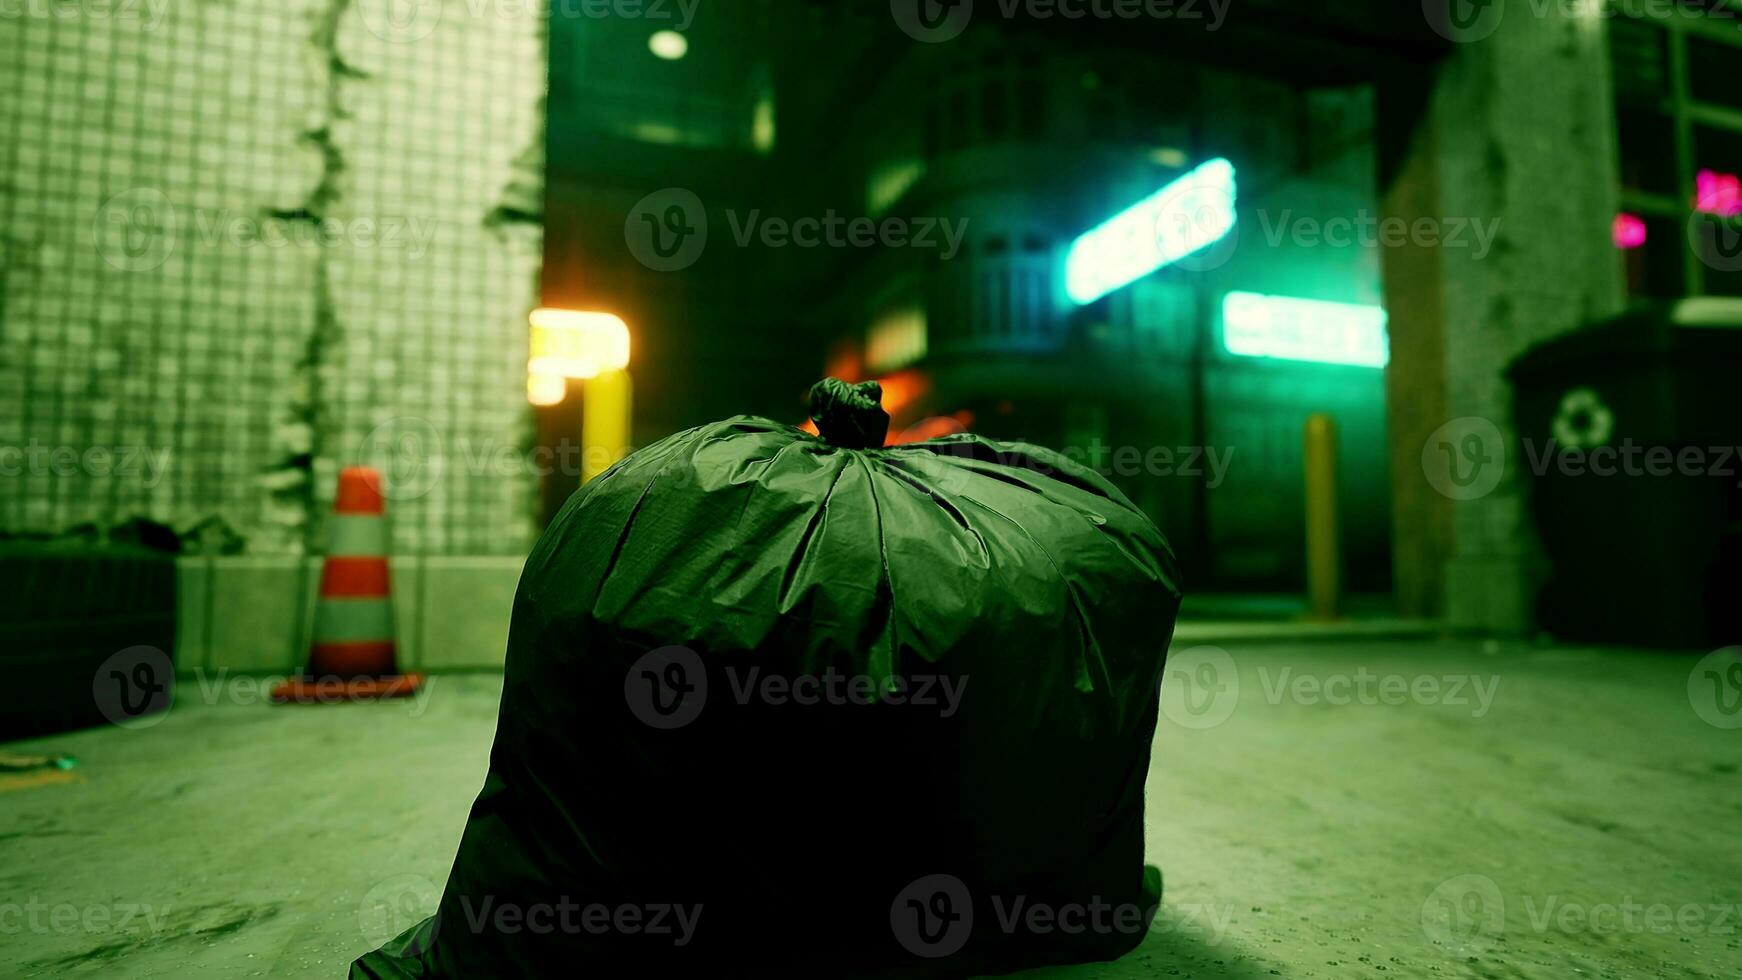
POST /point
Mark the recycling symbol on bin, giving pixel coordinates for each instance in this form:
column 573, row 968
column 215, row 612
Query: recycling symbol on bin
column 1584, row 421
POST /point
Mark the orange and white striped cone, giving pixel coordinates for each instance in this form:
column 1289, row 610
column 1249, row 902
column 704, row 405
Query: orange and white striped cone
column 352, row 656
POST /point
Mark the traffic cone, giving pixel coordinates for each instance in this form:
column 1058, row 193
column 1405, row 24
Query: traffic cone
column 352, row 655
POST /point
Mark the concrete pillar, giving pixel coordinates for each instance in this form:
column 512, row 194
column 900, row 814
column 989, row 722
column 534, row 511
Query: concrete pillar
column 1505, row 151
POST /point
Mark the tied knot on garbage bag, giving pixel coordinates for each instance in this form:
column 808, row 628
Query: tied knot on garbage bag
column 850, row 416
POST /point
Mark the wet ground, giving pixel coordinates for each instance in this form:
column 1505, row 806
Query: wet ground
column 1384, row 809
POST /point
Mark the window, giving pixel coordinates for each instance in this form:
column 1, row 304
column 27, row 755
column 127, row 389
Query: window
column 1678, row 131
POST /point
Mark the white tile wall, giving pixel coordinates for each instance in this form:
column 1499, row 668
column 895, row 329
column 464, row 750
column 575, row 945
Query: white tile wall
column 148, row 300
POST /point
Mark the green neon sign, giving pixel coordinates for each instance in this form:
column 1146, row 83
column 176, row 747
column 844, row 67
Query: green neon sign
column 1291, row 329
column 1189, row 214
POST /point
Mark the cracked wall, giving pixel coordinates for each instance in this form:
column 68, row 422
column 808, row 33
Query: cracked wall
column 246, row 244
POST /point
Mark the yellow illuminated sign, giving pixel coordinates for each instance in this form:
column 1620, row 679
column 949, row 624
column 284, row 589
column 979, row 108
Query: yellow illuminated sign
column 577, row 344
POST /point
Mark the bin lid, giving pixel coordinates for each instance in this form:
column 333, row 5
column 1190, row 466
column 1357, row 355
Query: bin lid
column 1701, row 327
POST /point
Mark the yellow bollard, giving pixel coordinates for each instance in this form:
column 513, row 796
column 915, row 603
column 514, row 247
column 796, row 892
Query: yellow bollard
column 605, row 405
column 1324, row 570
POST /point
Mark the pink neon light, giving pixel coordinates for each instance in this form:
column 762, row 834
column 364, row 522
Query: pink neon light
column 1717, row 193
column 1628, row 231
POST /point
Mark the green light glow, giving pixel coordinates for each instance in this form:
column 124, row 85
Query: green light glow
column 1193, row 212
column 1286, row 328
column 669, row 45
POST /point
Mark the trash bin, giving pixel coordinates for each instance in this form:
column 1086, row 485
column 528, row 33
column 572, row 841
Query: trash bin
column 71, row 616
column 1629, row 433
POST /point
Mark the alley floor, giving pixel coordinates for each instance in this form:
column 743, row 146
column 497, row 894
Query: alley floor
column 1387, row 809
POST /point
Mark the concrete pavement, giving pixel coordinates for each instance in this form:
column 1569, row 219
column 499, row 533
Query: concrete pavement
column 1384, row 809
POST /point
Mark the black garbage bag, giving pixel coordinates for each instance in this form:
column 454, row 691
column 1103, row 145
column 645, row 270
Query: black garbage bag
column 786, row 705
